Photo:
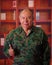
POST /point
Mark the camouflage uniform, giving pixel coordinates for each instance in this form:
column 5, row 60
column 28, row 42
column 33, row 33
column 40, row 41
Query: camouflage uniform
column 29, row 50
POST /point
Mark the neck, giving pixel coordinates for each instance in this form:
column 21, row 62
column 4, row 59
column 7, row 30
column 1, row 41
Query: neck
column 27, row 31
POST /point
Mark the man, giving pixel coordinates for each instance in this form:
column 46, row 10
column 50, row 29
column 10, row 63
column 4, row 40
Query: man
column 27, row 43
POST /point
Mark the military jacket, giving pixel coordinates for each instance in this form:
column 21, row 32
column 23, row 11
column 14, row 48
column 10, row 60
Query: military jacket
column 29, row 50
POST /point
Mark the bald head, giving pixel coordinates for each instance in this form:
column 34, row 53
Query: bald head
column 27, row 11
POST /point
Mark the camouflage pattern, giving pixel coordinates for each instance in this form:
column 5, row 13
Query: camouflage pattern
column 29, row 50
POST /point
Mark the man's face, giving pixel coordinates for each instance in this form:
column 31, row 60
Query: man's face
column 26, row 19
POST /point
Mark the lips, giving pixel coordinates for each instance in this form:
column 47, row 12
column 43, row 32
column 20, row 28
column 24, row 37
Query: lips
column 26, row 24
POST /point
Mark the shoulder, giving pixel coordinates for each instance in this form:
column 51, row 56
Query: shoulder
column 37, row 29
column 13, row 32
column 18, row 30
column 40, row 32
column 10, row 34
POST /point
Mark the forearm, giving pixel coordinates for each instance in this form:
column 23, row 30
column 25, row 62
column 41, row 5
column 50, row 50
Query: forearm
column 46, row 56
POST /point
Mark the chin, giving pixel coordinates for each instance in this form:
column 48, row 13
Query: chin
column 25, row 26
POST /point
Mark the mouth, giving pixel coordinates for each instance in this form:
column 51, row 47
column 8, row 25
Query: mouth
column 25, row 24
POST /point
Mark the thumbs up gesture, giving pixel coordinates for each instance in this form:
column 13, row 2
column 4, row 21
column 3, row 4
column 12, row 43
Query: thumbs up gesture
column 10, row 50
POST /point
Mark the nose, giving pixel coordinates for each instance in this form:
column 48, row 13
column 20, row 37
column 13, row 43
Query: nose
column 26, row 20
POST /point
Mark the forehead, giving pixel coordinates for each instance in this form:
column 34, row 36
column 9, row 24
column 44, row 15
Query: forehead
column 26, row 12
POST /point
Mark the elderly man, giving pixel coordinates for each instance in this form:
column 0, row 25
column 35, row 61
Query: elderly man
column 27, row 43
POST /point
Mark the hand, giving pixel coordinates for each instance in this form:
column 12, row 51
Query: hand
column 11, row 51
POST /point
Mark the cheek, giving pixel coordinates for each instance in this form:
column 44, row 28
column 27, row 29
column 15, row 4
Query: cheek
column 30, row 22
column 21, row 20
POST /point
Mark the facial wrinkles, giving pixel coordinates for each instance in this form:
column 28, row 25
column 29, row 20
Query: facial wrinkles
column 26, row 19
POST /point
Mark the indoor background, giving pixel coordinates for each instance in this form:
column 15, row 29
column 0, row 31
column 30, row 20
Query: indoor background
column 9, row 19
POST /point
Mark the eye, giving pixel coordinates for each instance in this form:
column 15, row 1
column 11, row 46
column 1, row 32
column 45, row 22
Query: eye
column 23, row 17
column 29, row 17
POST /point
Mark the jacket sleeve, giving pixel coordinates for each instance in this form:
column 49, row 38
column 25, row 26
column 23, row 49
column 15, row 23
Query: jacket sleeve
column 47, row 51
column 6, row 43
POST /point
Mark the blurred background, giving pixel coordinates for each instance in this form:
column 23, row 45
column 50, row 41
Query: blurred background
column 9, row 19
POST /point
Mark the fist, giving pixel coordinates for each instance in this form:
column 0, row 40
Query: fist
column 11, row 51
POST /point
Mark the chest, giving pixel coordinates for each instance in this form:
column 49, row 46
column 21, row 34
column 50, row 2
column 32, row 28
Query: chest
column 31, row 42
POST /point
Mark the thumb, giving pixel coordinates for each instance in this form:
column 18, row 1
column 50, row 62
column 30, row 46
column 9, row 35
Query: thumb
column 10, row 46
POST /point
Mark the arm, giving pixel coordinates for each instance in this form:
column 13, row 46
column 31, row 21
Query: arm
column 7, row 48
column 47, row 51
